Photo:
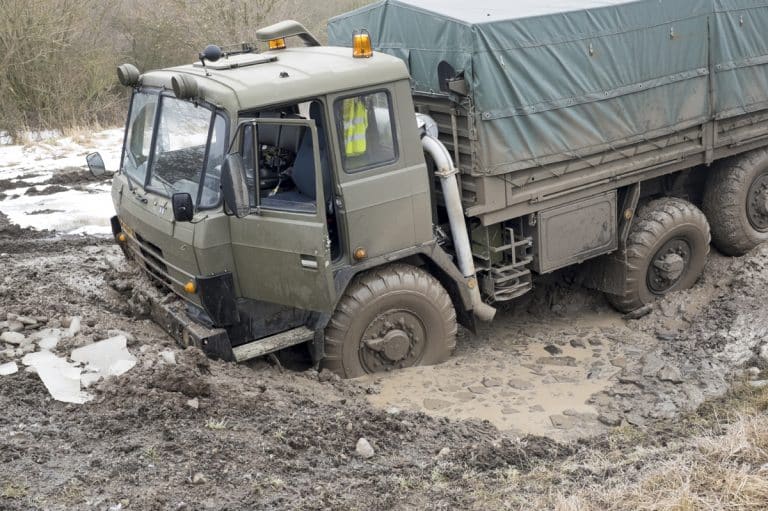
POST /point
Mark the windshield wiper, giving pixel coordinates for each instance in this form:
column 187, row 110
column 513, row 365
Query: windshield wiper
column 132, row 159
column 167, row 187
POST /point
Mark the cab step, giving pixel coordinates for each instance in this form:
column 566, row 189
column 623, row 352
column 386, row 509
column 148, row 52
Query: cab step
column 276, row 342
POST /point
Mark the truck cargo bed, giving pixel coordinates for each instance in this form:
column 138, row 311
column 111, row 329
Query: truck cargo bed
column 565, row 99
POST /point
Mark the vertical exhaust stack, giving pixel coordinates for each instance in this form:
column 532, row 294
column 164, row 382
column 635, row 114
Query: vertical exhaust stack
column 446, row 171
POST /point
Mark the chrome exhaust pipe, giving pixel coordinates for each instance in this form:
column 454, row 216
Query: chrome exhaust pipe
column 446, row 171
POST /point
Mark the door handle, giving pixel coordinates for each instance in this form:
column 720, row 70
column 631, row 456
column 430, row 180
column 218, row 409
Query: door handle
column 309, row 262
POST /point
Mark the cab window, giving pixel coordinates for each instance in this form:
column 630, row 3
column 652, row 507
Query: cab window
column 139, row 136
column 365, row 125
column 280, row 165
column 279, row 157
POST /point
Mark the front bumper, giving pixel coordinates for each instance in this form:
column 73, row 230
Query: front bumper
column 216, row 292
column 173, row 318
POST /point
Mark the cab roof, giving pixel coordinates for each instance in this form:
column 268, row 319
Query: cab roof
column 283, row 76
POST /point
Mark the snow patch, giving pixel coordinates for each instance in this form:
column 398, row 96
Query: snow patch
column 72, row 212
column 85, row 211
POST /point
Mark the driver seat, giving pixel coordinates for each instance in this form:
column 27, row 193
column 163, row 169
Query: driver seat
column 303, row 172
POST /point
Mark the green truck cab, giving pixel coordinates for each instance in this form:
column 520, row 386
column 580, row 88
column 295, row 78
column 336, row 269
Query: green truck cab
column 316, row 214
column 366, row 198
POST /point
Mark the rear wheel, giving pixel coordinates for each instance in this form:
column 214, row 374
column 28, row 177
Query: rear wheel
column 666, row 251
column 389, row 318
column 736, row 202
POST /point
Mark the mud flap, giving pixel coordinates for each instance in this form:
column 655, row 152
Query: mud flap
column 606, row 273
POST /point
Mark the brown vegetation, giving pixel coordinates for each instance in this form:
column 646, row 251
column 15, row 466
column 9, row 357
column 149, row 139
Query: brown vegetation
column 57, row 57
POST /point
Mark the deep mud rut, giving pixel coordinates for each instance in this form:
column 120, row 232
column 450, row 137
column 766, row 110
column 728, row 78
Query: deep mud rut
column 563, row 364
column 201, row 434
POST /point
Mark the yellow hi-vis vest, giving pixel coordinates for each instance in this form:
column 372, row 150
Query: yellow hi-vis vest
column 355, row 118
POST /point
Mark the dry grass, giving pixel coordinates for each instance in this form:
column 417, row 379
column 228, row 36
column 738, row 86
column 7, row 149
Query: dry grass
column 59, row 56
column 13, row 491
column 716, row 459
column 723, row 466
column 216, row 424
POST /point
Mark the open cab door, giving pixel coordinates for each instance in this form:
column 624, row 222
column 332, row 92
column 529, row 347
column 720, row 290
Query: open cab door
column 282, row 249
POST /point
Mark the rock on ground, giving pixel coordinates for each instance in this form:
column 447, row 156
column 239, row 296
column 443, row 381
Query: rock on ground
column 364, row 449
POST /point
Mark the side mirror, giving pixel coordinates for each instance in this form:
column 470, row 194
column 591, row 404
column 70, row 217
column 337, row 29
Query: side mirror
column 96, row 164
column 234, row 185
column 183, row 208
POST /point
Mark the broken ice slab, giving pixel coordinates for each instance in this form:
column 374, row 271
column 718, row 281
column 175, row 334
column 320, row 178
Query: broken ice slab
column 48, row 343
column 74, row 326
column 109, row 357
column 88, row 379
column 8, row 369
column 12, row 338
column 61, row 378
column 168, row 356
column 48, row 338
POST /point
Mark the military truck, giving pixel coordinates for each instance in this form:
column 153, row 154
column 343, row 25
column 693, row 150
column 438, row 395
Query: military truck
column 433, row 161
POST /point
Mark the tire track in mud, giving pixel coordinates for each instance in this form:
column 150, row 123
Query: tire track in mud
column 252, row 436
column 562, row 364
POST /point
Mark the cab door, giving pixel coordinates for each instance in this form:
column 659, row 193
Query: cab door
column 282, row 249
column 384, row 181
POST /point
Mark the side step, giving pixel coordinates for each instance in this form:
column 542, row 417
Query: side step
column 269, row 344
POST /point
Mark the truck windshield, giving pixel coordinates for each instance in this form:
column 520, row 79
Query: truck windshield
column 188, row 148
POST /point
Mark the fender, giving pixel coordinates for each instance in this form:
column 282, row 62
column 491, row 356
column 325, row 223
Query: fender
column 429, row 256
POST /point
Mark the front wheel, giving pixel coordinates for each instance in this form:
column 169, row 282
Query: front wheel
column 666, row 251
column 389, row 318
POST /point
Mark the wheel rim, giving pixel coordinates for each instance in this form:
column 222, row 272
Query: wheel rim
column 393, row 340
column 668, row 265
column 757, row 203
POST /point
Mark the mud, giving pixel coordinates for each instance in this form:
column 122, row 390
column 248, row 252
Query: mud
column 12, row 236
column 45, row 190
column 59, row 181
column 555, row 368
column 562, row 363
column 256, row 437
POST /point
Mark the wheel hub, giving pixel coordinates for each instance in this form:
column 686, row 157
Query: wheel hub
column 668, row 265
column 757, row 203
column 762, row 203
column 394, row 345
column 394, row 339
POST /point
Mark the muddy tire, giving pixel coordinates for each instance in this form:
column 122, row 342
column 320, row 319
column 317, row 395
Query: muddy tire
column 736, row 202
column 666, row 251
column 388, row 318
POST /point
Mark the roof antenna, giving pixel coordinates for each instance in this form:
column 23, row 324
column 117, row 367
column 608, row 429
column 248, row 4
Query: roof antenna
column 211, row 53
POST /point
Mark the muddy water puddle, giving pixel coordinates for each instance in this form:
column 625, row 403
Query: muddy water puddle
column 525, row 377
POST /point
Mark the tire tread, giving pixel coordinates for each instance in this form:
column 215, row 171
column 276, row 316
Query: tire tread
column 365, row 287
column 652, row 222
column 725, row 202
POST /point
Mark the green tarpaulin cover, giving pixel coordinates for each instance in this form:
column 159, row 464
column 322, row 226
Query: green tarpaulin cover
column 558, row 79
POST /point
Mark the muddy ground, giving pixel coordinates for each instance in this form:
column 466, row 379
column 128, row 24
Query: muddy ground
column 552, row 380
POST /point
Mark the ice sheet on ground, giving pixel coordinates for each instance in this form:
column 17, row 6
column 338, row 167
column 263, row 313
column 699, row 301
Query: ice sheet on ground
column 75, row 211
column 109, row 357
column 61, row 378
